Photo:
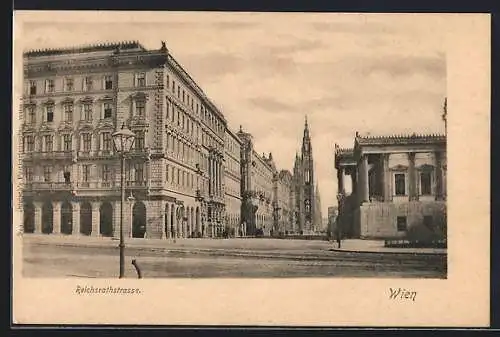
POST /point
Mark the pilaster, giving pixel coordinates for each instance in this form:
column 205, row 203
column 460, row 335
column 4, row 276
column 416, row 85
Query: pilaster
column 340, row 180
column 76, row 217
column 96, row 217
column 38, row 217
column 56, row 217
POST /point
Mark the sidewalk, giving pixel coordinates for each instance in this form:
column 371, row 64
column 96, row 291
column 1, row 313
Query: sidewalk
column 377, row 246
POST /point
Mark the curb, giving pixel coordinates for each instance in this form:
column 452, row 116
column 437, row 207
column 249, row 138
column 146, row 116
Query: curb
column 384, row 252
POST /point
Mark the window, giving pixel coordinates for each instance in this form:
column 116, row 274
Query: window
column 49, row 86
column 49, row 143
column 106, row 172
column 167, row 169
column 67, row 142
column 401, row 223
column 106, row 141
column 308, row 176
column 428, row 222
column 308, row 206
column 68, row 112
column 107, row 110
column 31, row 114
column 32, row 87
column 139, row 140
column 50, row 113
column 425, row 183
column 400, row 184
column 140, row 108
column 168, row 81
column 141, row 80
column 178, row 174
column 67, row 174
column 178, row 91
column 183, row 96
column 139, row 172
column 108, row 82
column 173, row 86
column 87, row 142
column 85, row 173
column 47, row 173
column 30, row 143
column 87, row 112
column 87, row 83
column 69, row 84
column 28, row 173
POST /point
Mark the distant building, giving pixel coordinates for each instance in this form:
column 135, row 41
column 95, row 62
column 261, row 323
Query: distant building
column 257, row 187
column 232, row 184
column 399, row 185
column 332, row 219
column 284, row 204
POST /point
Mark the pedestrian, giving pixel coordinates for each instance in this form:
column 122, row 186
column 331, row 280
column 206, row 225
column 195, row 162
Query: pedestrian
column 338, row 236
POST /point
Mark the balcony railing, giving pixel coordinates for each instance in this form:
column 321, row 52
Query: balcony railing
column 136, row 183
column 49, row 155
column 46, row 186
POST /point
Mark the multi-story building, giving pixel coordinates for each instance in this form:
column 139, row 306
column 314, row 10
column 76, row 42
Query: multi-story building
column 283, row 203
column 74, row 99
column 232, row 184
column 306, row 192
column 399, row 186
column 257, row 174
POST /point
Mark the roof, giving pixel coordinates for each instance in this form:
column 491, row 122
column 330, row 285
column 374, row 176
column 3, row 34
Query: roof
column 400, row 139
column 85, row 48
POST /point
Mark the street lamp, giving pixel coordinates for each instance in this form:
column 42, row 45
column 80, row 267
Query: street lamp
column 123, row 140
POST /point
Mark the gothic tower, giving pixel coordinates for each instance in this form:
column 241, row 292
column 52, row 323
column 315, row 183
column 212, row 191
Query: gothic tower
column 308, row 198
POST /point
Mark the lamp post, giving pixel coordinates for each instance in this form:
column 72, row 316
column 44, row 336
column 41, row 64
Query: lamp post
column 123, row 140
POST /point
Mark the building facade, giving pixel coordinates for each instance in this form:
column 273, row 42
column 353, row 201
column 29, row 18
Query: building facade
column 307, row 203
column 232, row 184
column 399, row 186
column 74, row 99
column 283, row 203
column 257, row 188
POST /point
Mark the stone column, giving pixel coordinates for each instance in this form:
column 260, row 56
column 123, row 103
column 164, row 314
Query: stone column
column 363, row 177
column 386, row 177
column 439, row 177
column 96, row 217
column 340, row 179
column 210, row 175
column 76, row 217
column 56, row 217
column 412, row 187
column 38, row 217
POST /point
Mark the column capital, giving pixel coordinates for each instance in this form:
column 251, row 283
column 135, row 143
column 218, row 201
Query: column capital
column 56, row 205
column 95, row 205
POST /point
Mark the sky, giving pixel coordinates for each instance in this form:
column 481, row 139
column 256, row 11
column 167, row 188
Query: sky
column 376, row 74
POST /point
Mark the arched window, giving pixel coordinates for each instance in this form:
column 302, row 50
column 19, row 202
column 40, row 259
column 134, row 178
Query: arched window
column 308, row 176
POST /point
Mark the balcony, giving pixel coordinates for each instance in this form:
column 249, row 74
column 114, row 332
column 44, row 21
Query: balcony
column 48, row 186
column 139, row 153
column 49, row 155
column 199, row 195
column 199, row 169
column 136, row 184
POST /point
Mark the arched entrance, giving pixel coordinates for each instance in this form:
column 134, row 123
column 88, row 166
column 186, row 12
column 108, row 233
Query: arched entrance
column 47, row 218
column 106, row 219
column 66, row 218
column 86, row 218
column 167, row 230
column 138, row 220
column 29, row 218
